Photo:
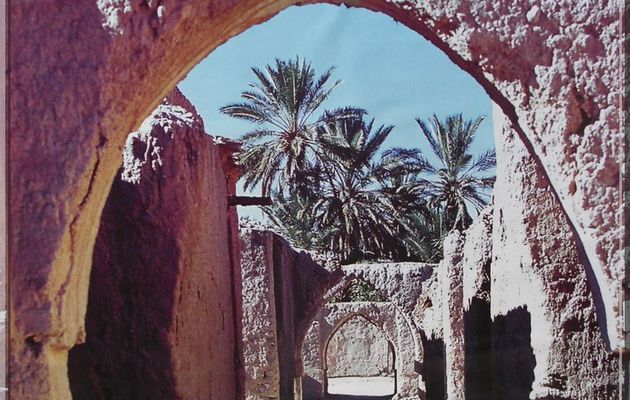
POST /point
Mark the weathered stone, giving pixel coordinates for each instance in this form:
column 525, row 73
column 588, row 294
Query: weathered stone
column 451, row 275
column 359, row 348
column 476, row 265
column 3, row 345
column 428, row 313
column 415, row 290
column 74, row 96
column 477, row 257
column 160, row 312
column 260, row 344
column 542, row 303
column 283, row 290
column 402, row 283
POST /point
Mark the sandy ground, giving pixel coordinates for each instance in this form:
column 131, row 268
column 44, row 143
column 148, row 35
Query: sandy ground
column 362, row 386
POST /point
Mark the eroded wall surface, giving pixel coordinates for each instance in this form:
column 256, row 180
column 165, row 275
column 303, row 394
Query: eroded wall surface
column 282, row 290
column 402, row 283
column 359, row 348
column 476, row 265
column 543, row 305
column 552, row 66
column 160, row 315
column 512, row 301
column 408, row 285
column 515, row 296
column 3, row 345
column 260, row 342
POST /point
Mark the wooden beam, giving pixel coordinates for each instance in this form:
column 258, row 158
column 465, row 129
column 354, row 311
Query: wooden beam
column 249, row 201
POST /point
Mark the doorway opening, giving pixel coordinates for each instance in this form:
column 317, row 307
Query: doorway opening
column 360, row 361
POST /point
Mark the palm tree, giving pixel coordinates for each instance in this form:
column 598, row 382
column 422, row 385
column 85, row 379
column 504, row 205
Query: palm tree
column 426, row 235
column 418, row 228
column 283, row 103
column 294, row 219
column 353, row 199
column 459, row 179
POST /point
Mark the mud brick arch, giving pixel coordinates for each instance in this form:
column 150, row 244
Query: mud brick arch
column 388, row 319
column 85, row 74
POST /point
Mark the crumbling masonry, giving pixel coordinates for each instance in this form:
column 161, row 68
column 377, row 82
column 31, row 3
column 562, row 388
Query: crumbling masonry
column 535, row 279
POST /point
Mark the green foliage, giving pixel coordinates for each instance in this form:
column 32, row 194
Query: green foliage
column 294, row 218
column 358, row 290
column 283, row 104
column 336, row 189
column 459, row 179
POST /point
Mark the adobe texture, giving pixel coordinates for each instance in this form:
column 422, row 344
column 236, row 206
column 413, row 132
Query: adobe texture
column 552, row 67
column 160, row 311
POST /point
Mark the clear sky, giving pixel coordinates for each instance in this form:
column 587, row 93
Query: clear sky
column 386, row 68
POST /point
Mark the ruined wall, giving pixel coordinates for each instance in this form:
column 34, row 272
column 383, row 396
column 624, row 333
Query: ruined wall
column 359, row 348
column 312, row 363
column 418, row 294
column 402, row 283
column 451, row 276
column 405, row 284
column 464, row 278
column 232, row 171
column 284, row 268
column 519, row 313
column 543, row 307
column 3, row 363
column 476, row 263
column 428, row 316
column 260, row 344
column 282, row 289
column 553, row 67
column 160, row 314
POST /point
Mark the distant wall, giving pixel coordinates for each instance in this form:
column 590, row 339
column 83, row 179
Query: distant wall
column 325, row 354
column 359, row 348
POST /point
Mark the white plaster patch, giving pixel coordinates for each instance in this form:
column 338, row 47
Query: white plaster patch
column 113, row 12
column 167, row 116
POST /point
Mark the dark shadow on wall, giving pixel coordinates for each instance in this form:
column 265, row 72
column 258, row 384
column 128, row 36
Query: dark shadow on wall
column 434, row 368
column 350, row 397
column 512, row 355
column 129, row 311
column 478, row 349
column 311, row 388
column 283, row 263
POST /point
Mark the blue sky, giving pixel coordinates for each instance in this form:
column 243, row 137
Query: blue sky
column 386, row 68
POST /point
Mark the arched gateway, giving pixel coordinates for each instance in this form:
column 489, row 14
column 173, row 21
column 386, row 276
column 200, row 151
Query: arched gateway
column 317, row 352
column 85, row 74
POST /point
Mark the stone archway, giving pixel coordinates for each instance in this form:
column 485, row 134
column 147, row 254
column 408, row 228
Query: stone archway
column 404, row 285
column 535, row 62
column 385, row 316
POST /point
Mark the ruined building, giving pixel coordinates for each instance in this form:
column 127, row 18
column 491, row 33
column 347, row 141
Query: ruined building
column 135, row 282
